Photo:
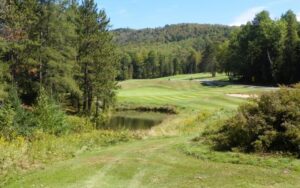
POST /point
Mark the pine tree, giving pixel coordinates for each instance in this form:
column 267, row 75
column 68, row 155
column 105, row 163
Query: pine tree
column 96, row 57
column 289, row 67
column 209, row 61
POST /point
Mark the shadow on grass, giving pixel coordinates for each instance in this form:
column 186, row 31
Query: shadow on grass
column 221, row 83
column 198, row 78
column 214, row 83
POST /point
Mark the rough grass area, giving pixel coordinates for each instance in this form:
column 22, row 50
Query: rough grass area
column 20, row 155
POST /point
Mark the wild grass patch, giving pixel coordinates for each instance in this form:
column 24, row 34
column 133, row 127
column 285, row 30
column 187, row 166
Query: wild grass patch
column 20, row 155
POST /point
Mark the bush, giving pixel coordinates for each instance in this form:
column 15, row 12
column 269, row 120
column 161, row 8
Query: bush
column 48, row 116
column 270, row 123
column 7, row 115
column 14, row 120
column 79, row 124
column 18, row 120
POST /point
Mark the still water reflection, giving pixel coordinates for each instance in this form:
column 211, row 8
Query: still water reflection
column 134, row 120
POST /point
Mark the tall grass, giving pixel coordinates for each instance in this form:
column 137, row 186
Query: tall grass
column 21, row 155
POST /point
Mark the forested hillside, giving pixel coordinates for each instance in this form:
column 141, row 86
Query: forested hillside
column 170, row 50
column 171, row 33
column 264, row 50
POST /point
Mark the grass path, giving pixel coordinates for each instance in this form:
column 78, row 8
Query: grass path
column 154, row 163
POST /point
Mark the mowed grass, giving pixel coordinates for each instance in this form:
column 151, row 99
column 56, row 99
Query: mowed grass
column 182, row 92
column 172, row 161
column 160, row 162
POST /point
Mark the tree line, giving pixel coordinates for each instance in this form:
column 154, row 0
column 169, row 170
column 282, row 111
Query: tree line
column 152, row 64
column 63, row 47
column 171, row 50
column 264, row 50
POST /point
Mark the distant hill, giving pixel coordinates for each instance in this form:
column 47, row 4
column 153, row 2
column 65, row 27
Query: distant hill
column 171, row 33
column 164, row 51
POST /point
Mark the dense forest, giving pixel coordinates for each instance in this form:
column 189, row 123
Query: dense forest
column 264, row 50
column 171, row 33
column 170, row 50
column 58, row 50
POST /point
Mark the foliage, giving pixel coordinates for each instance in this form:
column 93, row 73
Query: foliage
column 170, row 33
column 97, row 59
column 62, row 46
column 173, row 49
column 48, row 115
column 270, row 123
column 7, row 115
column 209, row 60
column 78, row 124
column 264, row 50
column 15, row 120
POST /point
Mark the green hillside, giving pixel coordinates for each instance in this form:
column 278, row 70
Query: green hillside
column 171, row 33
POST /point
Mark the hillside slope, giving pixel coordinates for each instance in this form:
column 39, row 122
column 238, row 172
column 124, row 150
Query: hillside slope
column 171, row 33
column 170, row 50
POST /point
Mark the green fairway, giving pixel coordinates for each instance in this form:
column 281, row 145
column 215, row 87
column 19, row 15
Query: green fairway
column 181, row 92
column 172, row 161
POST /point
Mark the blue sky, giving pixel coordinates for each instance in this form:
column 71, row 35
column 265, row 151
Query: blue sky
column 156, row 13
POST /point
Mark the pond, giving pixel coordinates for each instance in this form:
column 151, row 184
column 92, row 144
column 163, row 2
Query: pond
column 134, row 120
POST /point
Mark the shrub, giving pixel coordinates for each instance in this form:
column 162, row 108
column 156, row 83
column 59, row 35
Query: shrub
column 270, row 123
column 14, row 120
column 48, row 116
column 79, row 124
column 7, row 115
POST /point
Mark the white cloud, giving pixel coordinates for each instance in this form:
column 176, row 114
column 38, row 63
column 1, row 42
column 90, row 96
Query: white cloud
column 246, row 16
column 298, row 16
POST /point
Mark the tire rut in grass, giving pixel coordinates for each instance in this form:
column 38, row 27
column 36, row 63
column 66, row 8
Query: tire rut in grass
column 148, row 149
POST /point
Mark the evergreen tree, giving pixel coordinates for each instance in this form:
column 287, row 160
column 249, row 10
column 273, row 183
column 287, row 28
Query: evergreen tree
column 96, row 57
column 209, row 61
column 126, row 67
column 289, row 67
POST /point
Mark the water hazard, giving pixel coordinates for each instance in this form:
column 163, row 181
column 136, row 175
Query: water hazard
column 135, row 120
